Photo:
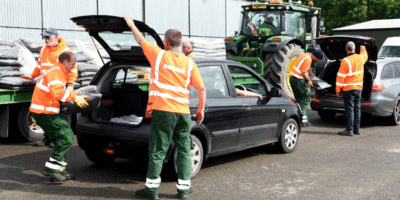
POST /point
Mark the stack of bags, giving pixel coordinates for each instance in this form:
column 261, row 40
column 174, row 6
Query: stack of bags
column 87, row 65
column 11, row 54
column 209, row 48
column 92, row 47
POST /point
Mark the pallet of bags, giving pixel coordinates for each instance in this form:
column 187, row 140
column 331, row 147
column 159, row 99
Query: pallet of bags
column 208, row 48
column 86, row 71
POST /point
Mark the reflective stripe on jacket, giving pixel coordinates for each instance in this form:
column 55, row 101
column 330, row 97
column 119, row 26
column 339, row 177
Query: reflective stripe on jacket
column 48, row 57
column 351, row 72
column 302, row 64
column 191, row 54
column 50, row 90
column 169, row 84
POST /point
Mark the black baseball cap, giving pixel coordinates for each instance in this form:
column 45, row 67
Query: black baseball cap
column 318, row 54
column 49, row 32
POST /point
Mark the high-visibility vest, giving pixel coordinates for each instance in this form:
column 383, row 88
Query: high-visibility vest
column 191, row 54
column 351, row 72
column 48, row 57
column 304, row 61
column 50, row 89
column 169, row 85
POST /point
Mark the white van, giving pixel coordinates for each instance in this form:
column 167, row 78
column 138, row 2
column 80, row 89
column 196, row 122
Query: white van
column 390, row 48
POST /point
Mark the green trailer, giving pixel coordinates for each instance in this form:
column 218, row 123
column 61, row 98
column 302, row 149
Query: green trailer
column 15, row 116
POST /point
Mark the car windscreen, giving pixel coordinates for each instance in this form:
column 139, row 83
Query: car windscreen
column 389, row 51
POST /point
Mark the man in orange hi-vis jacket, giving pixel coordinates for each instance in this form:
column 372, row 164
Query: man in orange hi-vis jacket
column 172, row 74
column 349, row 80
column 49, row 55
column 49, row 91
column 187, row 49
column 300, row 82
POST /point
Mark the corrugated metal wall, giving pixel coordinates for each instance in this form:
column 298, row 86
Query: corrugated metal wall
column 194, row 18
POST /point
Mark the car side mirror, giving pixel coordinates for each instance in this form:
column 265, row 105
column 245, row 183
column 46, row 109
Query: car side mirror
column 275, row 92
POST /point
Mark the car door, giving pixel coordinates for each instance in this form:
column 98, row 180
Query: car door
column 222, row 112
column 260, row 118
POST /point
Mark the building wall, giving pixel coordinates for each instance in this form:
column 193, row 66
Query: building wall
column 194, row 18
column 379, row 35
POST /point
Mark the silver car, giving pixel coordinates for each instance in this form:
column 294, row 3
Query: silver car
column 381, row 91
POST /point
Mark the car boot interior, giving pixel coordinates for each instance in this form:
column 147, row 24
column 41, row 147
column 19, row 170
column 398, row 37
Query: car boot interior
column 330, row 77
column 123, row 102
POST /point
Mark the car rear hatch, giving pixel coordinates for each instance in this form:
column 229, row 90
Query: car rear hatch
column 116, row 37
column 124, row 82
column 334, row 48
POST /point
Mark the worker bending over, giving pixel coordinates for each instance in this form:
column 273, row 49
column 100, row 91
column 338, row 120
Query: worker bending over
column 49, row 91
column 300, row 87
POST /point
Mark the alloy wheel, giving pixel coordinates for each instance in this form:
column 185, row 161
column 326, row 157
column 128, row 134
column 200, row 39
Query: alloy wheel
column 291, row 135
column 196, row 157
column 397, row 112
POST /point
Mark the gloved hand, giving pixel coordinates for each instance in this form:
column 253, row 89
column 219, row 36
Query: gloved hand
column 26, row 77
column 310, row 84
column 70, row 88
column 81, row 102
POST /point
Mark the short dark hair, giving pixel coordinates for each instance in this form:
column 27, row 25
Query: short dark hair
column 174, row 37
column 67, row 56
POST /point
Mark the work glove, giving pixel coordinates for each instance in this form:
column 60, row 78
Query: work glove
column 310, row 84
column 70, row 88
column 81, row 102
column 26, row 77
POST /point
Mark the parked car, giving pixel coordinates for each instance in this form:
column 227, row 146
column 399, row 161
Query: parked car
column 120, row 129
column 390, row 48
column 381, row 89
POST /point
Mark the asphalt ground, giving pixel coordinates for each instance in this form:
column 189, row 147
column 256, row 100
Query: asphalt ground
column 323, row 166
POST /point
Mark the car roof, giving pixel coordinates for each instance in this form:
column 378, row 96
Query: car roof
column 392, row 41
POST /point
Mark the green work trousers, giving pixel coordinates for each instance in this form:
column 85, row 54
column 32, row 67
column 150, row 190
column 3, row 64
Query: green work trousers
column 60, row 134
column 164, row 127
column 302, row 95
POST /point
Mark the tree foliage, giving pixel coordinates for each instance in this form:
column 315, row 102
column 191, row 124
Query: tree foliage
column 339, row 13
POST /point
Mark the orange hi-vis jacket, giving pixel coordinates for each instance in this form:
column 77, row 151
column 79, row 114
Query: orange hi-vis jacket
column 302, row 64
column 50, row 89
column 172, row 74
column 49, row 56
column 351, row 72
column 191, row 54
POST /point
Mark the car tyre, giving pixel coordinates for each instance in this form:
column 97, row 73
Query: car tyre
column 326, row 114
column 97, row 155
column 396, row 113
column 197, row 156
column 289, row 136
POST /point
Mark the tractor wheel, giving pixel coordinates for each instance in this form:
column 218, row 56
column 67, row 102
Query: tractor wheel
column 278, row 65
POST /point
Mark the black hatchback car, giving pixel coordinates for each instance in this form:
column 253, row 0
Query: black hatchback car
column 119, row 128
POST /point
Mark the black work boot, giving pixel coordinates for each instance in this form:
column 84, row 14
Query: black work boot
column 346, row 133
column 67, row 176
column 185, row 196
column 356, row 132
column 144, row 195
column 57, row 177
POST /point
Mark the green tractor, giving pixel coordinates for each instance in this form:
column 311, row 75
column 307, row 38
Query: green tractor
column 272, row 37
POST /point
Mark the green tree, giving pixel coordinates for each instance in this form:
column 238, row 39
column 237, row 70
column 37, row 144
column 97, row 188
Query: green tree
column 339, row 13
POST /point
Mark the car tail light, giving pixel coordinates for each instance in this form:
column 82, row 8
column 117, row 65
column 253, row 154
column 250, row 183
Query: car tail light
column 228, row 38
column 276, row 39
column 109, row 151
column 377, row 87
column 316, row 100
column 367, row 104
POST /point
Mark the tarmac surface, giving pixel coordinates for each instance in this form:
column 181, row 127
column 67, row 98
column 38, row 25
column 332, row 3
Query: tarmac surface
column 323, row 166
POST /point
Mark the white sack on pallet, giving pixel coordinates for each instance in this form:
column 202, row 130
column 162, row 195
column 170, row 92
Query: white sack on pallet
column 25, row 58
column 33, row 45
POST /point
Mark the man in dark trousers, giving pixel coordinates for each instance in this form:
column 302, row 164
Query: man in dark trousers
column 349, row 80
column 172, row 74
